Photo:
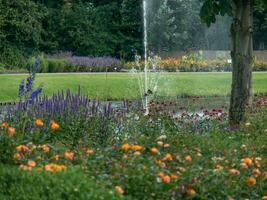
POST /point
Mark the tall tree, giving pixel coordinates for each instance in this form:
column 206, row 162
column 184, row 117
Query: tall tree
column 241, row 52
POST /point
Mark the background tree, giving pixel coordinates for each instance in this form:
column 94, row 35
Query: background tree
column 241, row 53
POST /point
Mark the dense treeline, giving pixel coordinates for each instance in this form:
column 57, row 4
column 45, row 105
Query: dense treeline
column 108, row 28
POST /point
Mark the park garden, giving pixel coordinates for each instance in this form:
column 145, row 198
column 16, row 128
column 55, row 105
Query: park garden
column 93, row 104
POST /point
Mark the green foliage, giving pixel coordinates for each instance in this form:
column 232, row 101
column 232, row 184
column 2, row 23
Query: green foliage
column 211, row 8
column 16, row 184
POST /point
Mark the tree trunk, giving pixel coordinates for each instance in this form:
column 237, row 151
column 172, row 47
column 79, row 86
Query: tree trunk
column 242, row 59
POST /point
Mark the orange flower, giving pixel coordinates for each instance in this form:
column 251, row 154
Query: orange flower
column 54, row 125
column 39, row 123
column 136, row 148
column 48, row 167
column 243, row 165
column 45, row 148
column 154, row 151
column 119, row 189
column 247, row 161
column 55, row 157
column 17, row 156
column 233, row 172
column 166, row 179
column 191, row 192
column 168, row 157
column 22, row 148
column 188, row 158
column 11, row 132
column 4, row 125
column 125, row 147
column 161, row 174
column 31, row 163
column 68, row 155
column 251, row 181
column 173, row 177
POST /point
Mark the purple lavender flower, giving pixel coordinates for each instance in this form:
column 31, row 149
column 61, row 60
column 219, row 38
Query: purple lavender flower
column 21, row 89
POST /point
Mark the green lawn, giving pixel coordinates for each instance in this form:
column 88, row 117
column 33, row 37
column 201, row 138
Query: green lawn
column 121, row 85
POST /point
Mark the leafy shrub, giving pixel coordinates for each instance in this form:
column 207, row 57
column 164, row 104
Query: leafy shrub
column 16, row 184
column 58, row 65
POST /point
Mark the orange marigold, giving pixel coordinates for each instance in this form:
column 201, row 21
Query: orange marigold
column 4, row 125
column 68, row 155
column 154, row 151
column 17, row 156
column 119, row 189
column 31, row 163
column 136, row 148
column 173, row 177
column 188, row 158
column 55, row 157
column 54, row 125
column 39, row 123
column 191, row 192
column 166, row 179
column 11, row 131
column 251, row 181
column 247, row 161
column 125, row 147
column 22, row 148
column 168, row 157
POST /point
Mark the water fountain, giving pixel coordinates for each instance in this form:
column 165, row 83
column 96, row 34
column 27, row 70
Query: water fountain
column 145, row 55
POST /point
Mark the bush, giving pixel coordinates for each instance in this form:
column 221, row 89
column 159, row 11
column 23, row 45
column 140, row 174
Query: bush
column 73, row 184
column 58, row 65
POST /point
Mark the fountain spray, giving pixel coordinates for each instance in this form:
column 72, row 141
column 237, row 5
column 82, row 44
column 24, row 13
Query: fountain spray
column 145, row 55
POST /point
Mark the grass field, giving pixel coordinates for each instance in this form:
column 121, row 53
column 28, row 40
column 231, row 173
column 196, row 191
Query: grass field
column 116, row 86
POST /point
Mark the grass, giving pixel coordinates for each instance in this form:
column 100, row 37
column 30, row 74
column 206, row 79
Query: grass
column 117, row 86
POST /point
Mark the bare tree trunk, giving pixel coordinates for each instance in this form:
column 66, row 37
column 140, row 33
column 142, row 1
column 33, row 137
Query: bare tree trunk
column 242, row 49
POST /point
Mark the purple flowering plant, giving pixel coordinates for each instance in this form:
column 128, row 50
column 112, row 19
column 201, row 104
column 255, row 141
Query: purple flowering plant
column 27, row 92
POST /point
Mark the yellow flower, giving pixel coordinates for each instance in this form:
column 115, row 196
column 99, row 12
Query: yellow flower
column 45, row 148
column 168, row 157
column 137, row 153
column 264, row 198
column 256, row 172
column 154, row 151
column 54, row 125
column 264, row 175
column 11, row 132
column 39, row 123
column 251, row 181
column 136, row 148
column 68, row 155
column 125, row 147
column 160, row 143
column 119, row 189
